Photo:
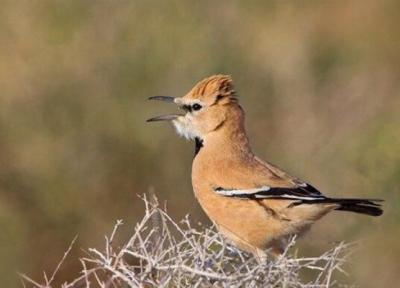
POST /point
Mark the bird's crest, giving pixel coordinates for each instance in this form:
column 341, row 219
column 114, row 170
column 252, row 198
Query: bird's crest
column 216, row 86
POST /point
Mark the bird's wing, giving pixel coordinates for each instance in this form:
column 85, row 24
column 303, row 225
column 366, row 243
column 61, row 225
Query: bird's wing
column 273, row 183
column 302, row 191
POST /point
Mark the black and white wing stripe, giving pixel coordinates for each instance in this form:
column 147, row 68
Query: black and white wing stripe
column 304, row 194
column 300, row 192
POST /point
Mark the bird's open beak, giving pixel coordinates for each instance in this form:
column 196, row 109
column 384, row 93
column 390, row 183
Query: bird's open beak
column 164, row 117
column 162, row 98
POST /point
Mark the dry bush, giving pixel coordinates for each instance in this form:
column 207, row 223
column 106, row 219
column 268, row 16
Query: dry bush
column 164, row 253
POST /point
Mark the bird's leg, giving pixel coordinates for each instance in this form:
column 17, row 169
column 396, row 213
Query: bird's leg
column 261, row 256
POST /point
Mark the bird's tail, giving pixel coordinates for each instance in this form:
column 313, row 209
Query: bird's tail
column 362, row 206
column 370, row 207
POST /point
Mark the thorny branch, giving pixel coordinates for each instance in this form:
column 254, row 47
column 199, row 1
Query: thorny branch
column 164, row 253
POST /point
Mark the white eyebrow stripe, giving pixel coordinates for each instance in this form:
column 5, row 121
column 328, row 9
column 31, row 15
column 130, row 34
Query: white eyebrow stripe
column 191, row 102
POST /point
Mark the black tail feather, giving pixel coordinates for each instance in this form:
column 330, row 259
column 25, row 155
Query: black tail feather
column 362, row 206
column 362, row 209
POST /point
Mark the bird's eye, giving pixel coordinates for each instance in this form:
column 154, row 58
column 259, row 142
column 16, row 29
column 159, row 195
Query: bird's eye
column 196, row 107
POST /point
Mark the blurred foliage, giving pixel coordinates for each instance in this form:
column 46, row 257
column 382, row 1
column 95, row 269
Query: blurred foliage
column 319, row 81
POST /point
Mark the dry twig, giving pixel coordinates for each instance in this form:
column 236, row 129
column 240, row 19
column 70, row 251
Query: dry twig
column 163, row 253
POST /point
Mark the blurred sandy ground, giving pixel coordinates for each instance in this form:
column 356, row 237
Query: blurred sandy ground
column 319, row 81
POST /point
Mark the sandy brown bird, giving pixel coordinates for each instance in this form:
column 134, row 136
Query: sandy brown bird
column 253, row 203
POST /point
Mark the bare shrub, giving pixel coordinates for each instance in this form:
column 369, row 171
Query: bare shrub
column 164, row 253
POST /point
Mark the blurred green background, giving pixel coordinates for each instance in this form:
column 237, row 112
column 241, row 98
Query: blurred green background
column 319, row 81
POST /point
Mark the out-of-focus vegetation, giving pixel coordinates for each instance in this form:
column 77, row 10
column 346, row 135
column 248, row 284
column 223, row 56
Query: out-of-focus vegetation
column 319, row 81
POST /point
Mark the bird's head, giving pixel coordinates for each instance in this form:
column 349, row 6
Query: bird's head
column 207, row 108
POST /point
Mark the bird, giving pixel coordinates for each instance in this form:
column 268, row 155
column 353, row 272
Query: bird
column 253, row 203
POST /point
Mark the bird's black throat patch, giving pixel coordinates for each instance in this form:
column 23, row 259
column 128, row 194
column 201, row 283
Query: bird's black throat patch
column 198, row 145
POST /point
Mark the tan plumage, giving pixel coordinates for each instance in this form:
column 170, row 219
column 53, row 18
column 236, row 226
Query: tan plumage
column 253, row 203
